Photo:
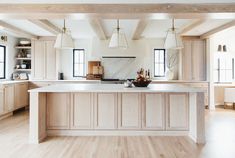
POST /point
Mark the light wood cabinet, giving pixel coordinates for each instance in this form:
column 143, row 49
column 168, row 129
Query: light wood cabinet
column 153, row 111
column 1, row 101
column 9, row 98
column 44, row 63
column 82, row 111
column 58, row 110
column 194, row 60
column 38, row 60
column 177, row 111
column 129, row 111
column 21, row 95
column 106, row 111
column 50, row 64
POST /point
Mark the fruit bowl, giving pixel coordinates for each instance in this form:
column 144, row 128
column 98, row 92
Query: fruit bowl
column 142, row 83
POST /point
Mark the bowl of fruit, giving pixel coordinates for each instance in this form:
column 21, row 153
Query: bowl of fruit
column 142, row 79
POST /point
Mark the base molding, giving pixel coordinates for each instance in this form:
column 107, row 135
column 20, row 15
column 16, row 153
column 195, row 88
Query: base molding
column 114, row 133
column 6, row 115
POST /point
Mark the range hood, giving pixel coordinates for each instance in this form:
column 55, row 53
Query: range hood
column 118, row 57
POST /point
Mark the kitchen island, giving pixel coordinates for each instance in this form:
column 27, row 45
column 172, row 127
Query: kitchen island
column 112, row 109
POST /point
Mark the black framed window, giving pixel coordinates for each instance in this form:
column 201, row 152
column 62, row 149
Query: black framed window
column 2, row 62
column 159, row 62
column 223, row 68
column 78, row 63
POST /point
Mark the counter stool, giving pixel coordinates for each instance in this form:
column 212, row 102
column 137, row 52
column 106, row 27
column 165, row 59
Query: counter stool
column 229, row 97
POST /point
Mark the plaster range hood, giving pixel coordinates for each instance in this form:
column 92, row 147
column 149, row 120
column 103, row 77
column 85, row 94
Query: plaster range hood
column 133, row 57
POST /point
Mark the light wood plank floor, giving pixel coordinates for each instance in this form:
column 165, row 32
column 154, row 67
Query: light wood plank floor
column 220, row 131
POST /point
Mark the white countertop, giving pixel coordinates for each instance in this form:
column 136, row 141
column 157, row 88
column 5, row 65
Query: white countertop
column 13, row 82
column 116, row 88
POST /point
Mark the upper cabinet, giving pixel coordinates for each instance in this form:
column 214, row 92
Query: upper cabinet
column 44, row 63
column 194, row 60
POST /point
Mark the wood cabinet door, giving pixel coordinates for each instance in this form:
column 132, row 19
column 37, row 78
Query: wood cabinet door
column 1, row 101
column 82, row 111
column 187, row 60
column 177, row 111
column 106, row 111
column 9, row 98
column 21, row 95
column 38, row 60
column 153, row 111
column 129, row 111
column 50, row 57
column 58, row 109
column 198, row 60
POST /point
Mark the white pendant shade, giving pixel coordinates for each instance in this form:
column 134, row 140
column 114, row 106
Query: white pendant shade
column 118, row 39
column 64, row 40
column 173, row 40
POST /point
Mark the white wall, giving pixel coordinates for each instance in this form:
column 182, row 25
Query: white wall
column 95, row 49
column 10, row 54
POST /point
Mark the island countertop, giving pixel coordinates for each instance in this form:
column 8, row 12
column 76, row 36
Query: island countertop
column 116, row 88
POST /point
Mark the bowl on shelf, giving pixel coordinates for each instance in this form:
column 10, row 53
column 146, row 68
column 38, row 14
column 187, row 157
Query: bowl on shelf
column 142, row 83
column 24, row 42
column 23, row 66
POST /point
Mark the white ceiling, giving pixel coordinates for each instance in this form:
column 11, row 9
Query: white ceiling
column 154, row 29
column 127, row 25
column 78, row 28
column 29, row 27
column 207, row 26
column 158, row 28
column 115, row 1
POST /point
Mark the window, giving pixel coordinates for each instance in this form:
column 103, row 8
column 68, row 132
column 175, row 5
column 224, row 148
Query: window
column 2, row 61
column 223, row 68
column 78, row 63
column 159, row 63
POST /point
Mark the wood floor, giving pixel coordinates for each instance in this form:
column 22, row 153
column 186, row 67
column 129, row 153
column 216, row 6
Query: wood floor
column 220, row 131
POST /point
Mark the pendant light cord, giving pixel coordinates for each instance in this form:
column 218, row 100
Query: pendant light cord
column 64, row 28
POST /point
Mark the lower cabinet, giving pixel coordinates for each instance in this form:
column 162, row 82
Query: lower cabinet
column 129, row 110
column 82, row 111
column 9, row 98
column 105, row 111
column 177, row 111
column 58, row 105
column 21, row 95
column 1, row 101
column 113, row 111
column 153, row 111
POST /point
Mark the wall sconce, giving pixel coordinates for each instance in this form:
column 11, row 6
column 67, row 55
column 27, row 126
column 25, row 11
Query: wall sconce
column 222, row 48
column 219, row 48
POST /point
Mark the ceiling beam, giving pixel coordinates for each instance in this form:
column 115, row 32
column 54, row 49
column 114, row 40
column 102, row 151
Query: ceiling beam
column 16, row 31
column 97, row 26
column 140, row 29
column 46, row 25
column 218, row 29
column 119, row 8
column 191, row 26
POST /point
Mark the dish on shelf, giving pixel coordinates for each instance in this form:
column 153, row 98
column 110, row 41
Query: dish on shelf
column 24, row 42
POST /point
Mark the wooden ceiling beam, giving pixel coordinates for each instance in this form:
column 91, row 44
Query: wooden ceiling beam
column 97, row 26
column 192, row 26
column 17, row 31
column 46, row 25
column 218, row 29
column 140, row 29
column 119, row 8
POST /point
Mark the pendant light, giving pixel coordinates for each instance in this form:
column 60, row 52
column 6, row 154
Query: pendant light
column 64, row 39
column 118, row 39
column 173, row 40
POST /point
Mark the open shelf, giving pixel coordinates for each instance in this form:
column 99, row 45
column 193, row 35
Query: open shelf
column 22, row 69
column 23, row 47
column 23, row 58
